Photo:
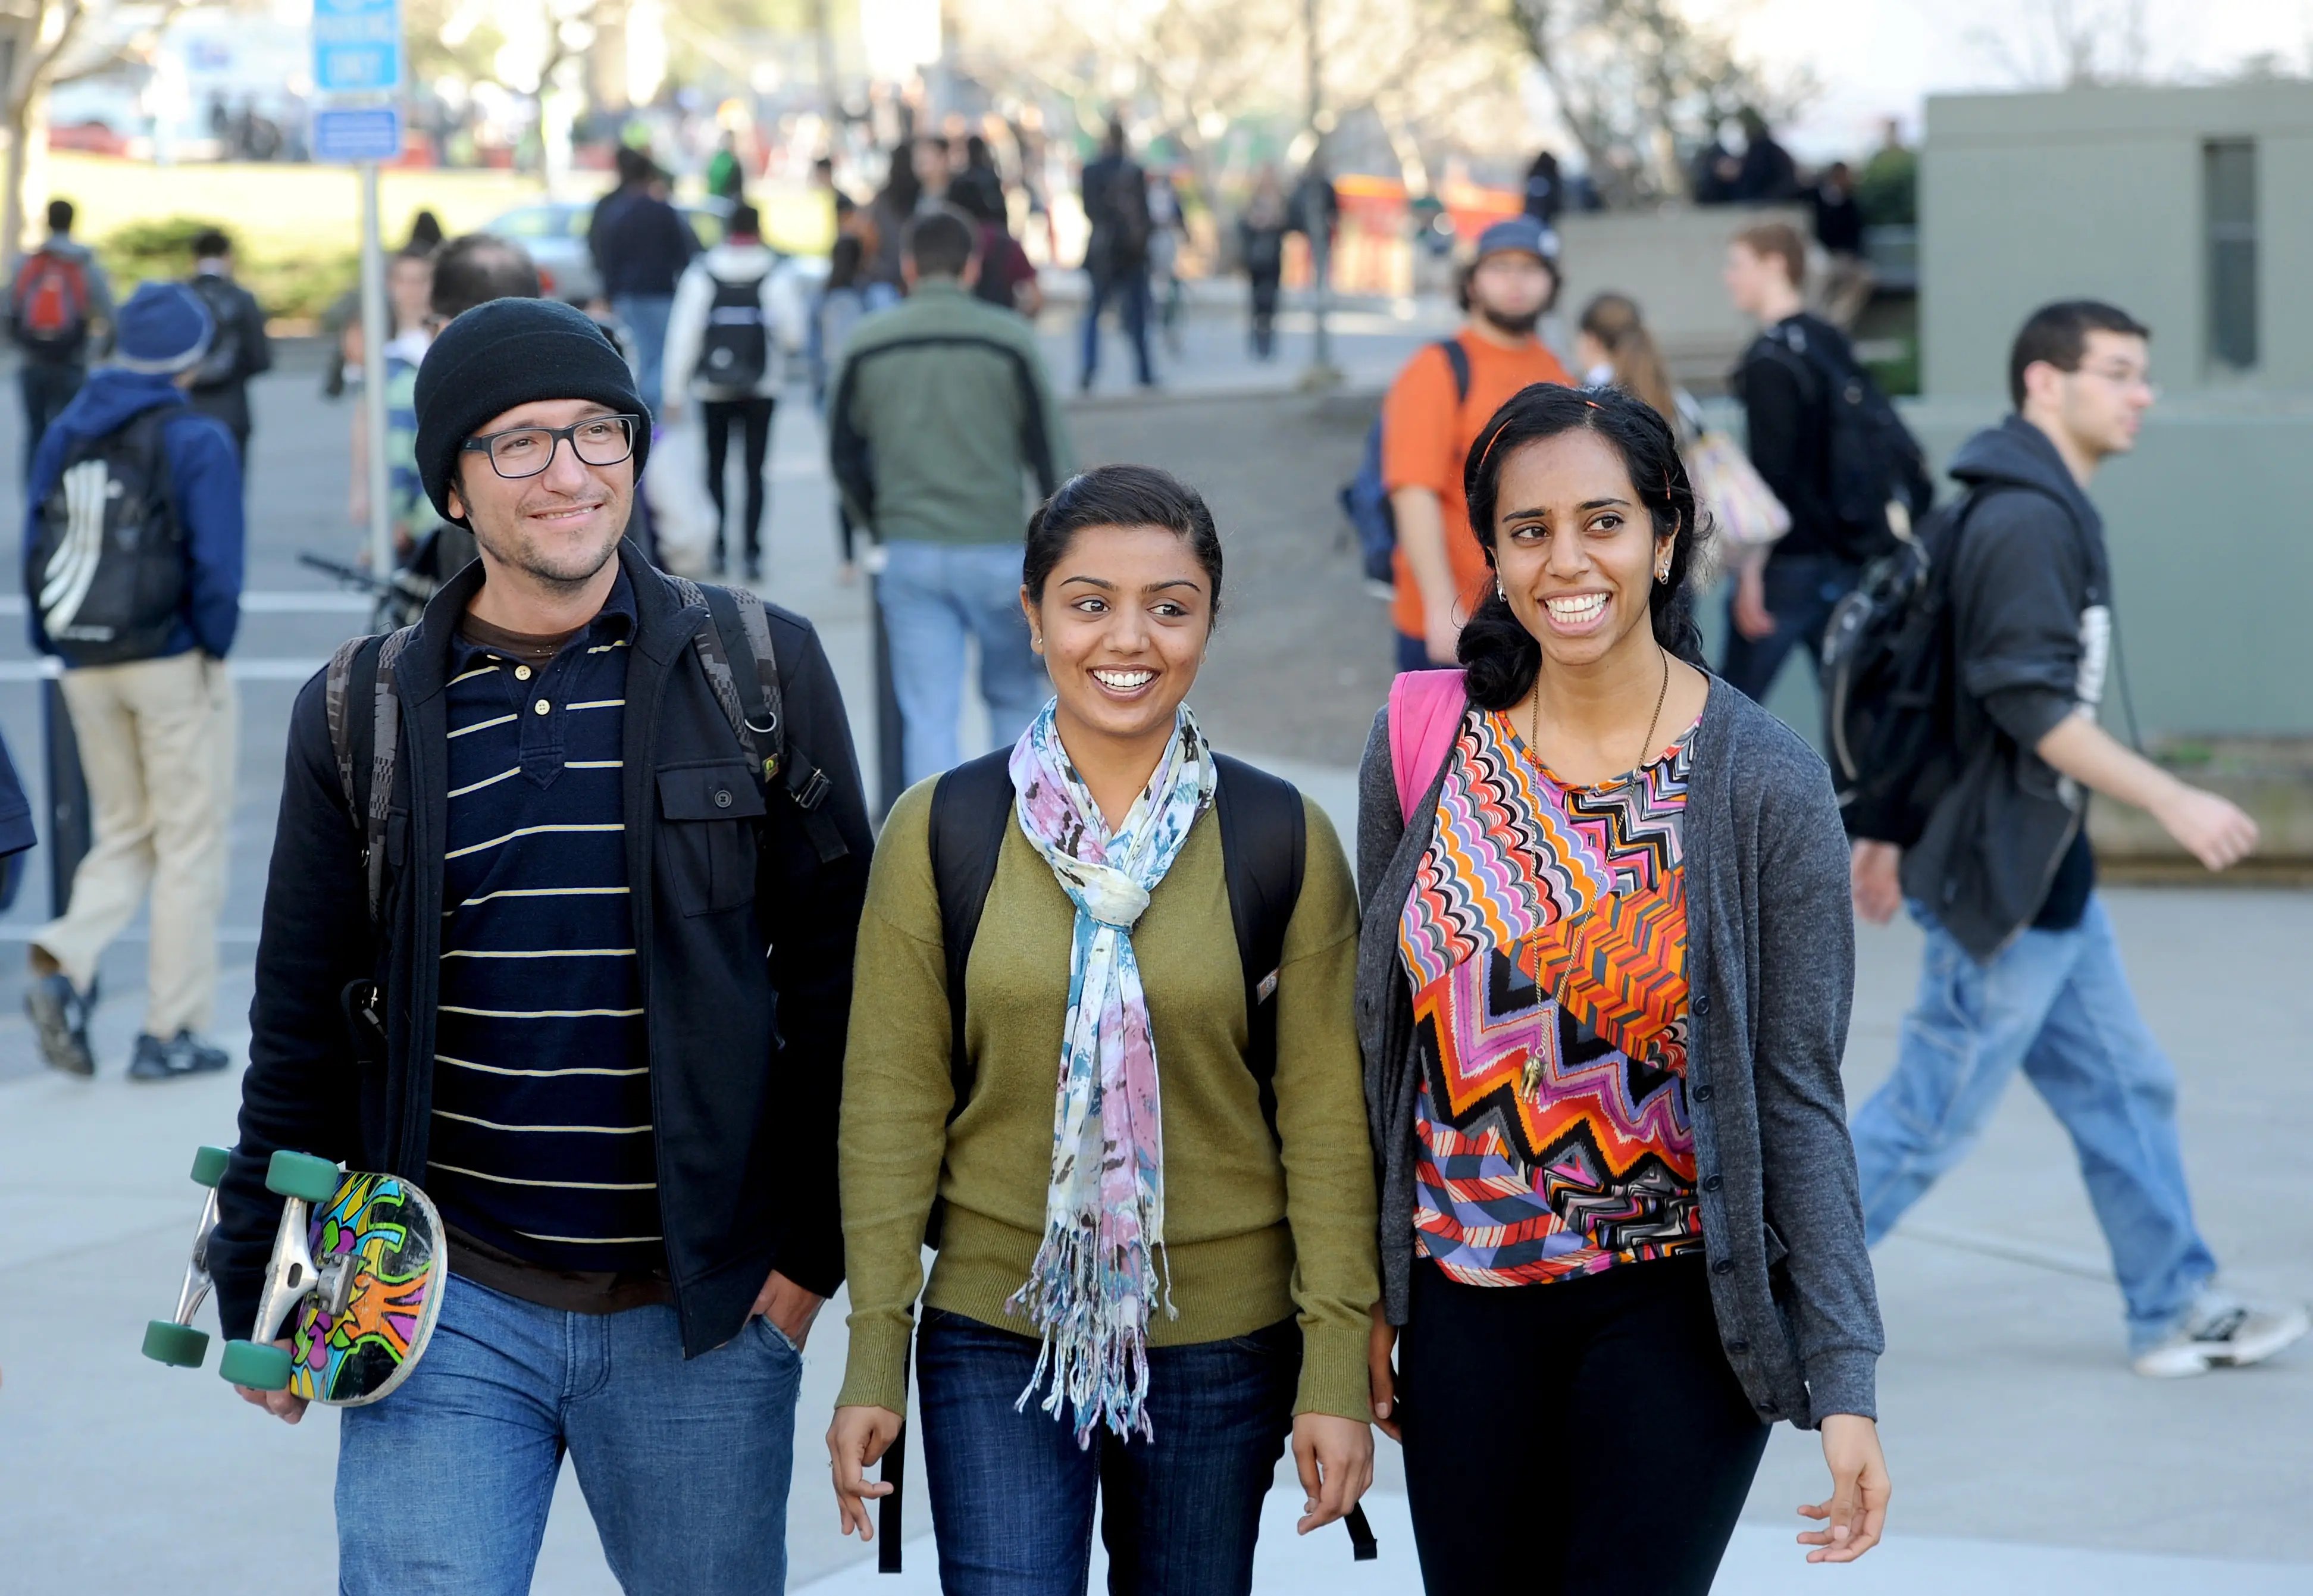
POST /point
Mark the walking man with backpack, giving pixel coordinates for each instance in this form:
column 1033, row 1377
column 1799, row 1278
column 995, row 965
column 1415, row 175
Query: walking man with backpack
column 1116, row 254
column 239, row 350
column 2022, row 969
column 1436, row 408
column 942, row 417
column 133, row 562
column 583, row 968
column 736, row 313
column 59, row 308
column 1825, row 439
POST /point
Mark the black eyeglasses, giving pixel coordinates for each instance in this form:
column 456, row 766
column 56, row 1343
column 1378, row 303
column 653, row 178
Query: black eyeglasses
column 522, row 452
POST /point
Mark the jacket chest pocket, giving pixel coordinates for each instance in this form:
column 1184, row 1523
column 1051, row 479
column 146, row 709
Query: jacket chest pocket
column 706, row 845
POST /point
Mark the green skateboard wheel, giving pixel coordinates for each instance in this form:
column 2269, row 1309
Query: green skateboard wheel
column 178, row 1345
column 302, row 1174
column 208, row 1166
column 259, row 1368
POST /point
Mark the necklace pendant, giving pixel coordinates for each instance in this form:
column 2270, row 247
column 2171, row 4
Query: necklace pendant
column 1530, row 1078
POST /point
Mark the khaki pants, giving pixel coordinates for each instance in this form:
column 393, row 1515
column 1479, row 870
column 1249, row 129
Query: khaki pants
column 157, row 743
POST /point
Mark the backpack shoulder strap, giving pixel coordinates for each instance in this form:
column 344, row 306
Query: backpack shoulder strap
column 1457, row 359
column 1265, row 853
column 363, row 669
column 1425, row 711
column 971, row 810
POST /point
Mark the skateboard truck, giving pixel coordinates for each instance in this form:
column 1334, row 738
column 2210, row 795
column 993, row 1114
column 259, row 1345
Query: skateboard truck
column 303, row 1180
column 173, row 1340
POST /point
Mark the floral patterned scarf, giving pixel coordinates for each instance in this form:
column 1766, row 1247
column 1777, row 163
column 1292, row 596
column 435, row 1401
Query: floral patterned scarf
column 1094, row 1281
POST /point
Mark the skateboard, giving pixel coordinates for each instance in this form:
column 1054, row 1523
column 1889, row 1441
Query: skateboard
column 358, row 1268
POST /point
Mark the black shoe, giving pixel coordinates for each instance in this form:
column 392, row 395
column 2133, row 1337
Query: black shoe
column 60, row 1018
column 183, row 1053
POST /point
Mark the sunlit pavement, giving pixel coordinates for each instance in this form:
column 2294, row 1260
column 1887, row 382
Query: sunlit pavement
column 2026, row 1456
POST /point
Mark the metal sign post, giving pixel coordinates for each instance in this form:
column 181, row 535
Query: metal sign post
column 357, row 76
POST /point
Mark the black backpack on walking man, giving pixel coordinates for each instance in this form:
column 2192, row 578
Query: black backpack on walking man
column 1872, row 456
column 737, row 348
column 108, row 555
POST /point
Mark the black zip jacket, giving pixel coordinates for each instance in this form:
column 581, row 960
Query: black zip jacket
column 746, row 1046
column 2031, row 627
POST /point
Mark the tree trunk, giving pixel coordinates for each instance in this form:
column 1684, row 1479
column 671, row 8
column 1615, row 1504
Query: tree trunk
column 11, row 186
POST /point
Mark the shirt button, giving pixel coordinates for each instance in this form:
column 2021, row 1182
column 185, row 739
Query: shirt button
column 521, row 672
column 722, row 798
column 541, row 706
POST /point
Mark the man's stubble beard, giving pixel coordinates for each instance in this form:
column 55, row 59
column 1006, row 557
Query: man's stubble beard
column 520, row 554
column 1515, row 326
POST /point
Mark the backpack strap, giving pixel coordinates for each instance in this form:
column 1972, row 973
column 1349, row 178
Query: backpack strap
column 1264, row 849
column 1457, row 359
column 972, row 809
column 1425, row 711
column 356, row 673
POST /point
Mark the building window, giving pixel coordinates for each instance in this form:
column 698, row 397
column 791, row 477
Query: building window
column 2228, row 194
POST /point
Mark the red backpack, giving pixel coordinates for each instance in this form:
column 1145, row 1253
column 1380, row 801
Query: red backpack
column 47, row 308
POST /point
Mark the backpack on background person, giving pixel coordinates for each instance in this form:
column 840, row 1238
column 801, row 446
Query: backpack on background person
column 1364, row 497
column 736, row 350
column 1873, row 459
column 222, row 365
column 109, row 554
column 48, row 305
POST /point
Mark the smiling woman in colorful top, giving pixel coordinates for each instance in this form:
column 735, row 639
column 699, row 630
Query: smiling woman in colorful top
column 1603, row 992
column 1140, row 1291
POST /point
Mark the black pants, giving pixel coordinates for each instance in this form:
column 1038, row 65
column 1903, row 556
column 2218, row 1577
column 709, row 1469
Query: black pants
column 48, row 387
column 1264, row 313
column 1580, row 1437
column 1802, row 590
column 754, row 417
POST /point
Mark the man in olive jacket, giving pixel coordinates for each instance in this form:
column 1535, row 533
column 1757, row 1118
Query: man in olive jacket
column 599, row 1017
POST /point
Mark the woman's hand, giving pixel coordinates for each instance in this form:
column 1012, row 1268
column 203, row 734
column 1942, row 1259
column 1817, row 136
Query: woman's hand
column 1381, row 1373
column 858, row 1437
column 1857, row 1508
column 1336, row 1457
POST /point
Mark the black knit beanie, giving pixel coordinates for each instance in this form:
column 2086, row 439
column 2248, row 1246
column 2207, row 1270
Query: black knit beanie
column 508, row 352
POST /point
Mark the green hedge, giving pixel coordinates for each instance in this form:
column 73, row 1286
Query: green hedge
column 298, row 286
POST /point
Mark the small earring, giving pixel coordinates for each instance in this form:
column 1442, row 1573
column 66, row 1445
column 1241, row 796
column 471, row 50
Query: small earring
column 1499, row 593
column 1663, row 575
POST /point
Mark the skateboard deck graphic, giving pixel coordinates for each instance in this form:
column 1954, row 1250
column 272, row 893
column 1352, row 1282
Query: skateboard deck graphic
column 355, row 1284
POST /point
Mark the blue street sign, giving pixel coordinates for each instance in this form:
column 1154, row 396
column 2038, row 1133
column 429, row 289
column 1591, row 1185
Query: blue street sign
column 356, row 46
column 370, row 133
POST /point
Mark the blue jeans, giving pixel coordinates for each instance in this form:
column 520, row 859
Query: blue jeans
column 1129, row 291
column 443, row 1487
column 1012, row 1493
column 933, row 595
column 1802, row 590
column 2058, row 1005
column 646, row 316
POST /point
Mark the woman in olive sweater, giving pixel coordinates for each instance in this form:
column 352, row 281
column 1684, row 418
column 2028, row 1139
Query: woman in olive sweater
column 1140, row 1288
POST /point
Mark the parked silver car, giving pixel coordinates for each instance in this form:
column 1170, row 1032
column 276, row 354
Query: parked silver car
column 554, row 232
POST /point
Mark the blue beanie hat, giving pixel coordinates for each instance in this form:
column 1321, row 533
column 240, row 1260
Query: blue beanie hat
column 1521, row 235
column 161, row 329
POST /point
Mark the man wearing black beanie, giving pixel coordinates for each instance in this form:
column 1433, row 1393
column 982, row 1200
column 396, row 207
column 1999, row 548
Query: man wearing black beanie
column 583, row 865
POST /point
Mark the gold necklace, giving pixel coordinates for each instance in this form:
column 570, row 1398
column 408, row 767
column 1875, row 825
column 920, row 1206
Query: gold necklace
column 1531, row 1079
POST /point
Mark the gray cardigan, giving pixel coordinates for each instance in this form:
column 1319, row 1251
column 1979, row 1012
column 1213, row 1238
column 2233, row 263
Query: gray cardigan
column 1771, row 961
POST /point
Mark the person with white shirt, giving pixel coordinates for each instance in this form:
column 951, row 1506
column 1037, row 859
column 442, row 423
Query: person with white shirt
column 737, row 312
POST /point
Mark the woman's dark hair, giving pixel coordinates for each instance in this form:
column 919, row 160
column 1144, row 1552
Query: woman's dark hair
column 845, row 262
column 1120, row 495
column 1502, row 657
column 903, row 191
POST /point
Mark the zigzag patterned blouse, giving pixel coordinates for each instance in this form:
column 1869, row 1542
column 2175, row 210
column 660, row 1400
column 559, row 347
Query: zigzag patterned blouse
column 1545, row 939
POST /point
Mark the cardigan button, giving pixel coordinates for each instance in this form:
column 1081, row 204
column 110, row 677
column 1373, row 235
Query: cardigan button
column 1723, row 1266
column 1702, row 1094
column 1702, row 1004
column 1711, row 1183
column 1767, row 1407
column 1738, row 1348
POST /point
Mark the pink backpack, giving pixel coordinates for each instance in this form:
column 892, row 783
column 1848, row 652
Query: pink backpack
column 1425, row 711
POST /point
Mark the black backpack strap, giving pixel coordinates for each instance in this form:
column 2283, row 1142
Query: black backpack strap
column 357, row 692
column 1458, row 360
column 971, row 810
column 1264, row 849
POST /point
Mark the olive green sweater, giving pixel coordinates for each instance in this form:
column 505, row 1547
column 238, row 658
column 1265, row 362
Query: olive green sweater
column 1252, row 1233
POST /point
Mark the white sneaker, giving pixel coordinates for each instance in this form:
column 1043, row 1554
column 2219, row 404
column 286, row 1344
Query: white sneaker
column 2222, row 1334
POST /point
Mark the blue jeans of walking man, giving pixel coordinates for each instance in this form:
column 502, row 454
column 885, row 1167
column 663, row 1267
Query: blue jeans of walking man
column 1129, row 292
column 933, row 596
column 443, row 1487
column 646, row 316
column 2057, row 1005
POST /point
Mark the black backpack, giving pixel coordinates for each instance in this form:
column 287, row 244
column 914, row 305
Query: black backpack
column 221, row 365
column 1890, row 684
column 736, row 349
column 1871, row 456
column 1364, row 497
column 108, row 562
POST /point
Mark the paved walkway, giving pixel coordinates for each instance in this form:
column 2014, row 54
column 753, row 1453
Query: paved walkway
column 2026, row 1458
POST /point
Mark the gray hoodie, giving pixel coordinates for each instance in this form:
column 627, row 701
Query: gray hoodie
column 2031, row 600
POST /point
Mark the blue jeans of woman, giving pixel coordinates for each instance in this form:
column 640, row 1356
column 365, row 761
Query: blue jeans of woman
column 1011, row 1492
column 443, row 1487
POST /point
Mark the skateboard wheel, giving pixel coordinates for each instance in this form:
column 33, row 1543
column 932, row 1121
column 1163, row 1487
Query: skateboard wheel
column 208, row 1165
column 259, row 1368
column 302, row 1174
column 178, row 1345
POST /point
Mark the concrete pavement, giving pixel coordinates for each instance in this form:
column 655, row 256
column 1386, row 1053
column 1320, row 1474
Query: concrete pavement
column 2026, row 1456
